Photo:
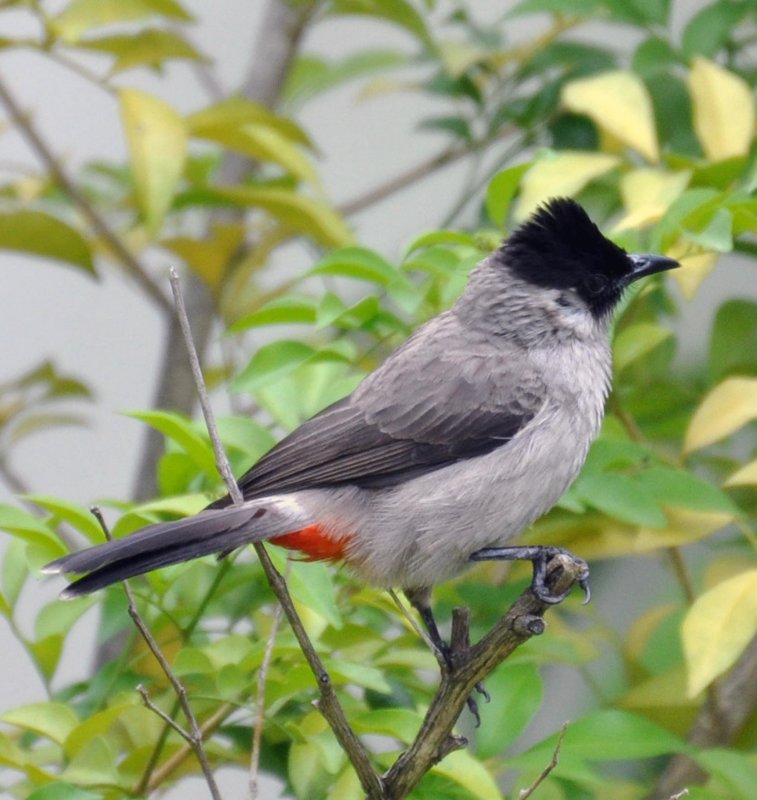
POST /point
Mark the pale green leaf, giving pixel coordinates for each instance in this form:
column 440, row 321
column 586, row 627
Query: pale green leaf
column 745, row 476
column 647, row 194
column 724, row 110
column 181, row 430
column 157, row 141
column 618, row 102
column 39, row 234
column 559, row 175
column 80, row 16
column 361, row 264
column 463, row 769
column 151, row 47
column 501, row 191
column 718, row 626
column 62, row 791
column 94, row 764
column 301, row 214
column 398, row 12
column 636, row 341
column 75, row 515
column 55, row 721
column 725, row 409
column 236, row 112
column 26, row 526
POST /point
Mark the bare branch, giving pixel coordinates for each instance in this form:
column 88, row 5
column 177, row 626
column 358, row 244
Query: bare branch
column 469, row 667
column 262, row 677
column 544, row 774
column 329, row 704
column 114, row 242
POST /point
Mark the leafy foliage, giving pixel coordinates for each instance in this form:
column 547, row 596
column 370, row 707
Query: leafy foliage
column 660, row 148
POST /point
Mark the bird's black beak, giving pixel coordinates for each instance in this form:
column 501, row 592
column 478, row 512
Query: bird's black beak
column 646, row 264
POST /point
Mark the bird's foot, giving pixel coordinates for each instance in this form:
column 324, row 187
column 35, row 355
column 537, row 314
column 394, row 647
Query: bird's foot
column 539, row 556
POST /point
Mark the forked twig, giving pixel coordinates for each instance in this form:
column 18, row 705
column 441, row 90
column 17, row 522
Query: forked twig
column 527, row 792
column 194, row 735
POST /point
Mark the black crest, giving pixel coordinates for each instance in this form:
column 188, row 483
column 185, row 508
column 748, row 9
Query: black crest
column 560, row 247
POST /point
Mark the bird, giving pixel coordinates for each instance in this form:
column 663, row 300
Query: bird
column 464, row 436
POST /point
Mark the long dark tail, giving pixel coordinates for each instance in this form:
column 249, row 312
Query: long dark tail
column 210, row 531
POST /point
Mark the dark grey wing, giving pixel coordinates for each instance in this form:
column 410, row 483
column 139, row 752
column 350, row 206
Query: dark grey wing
column 424, row 408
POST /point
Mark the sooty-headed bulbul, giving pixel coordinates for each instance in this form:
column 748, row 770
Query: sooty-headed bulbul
column 465, row 435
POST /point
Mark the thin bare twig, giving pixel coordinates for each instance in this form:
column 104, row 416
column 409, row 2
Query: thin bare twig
column 329, row 704
column 116, row 245
column 170, row 721
column 194, row 735
column 544, row 774
column 416, row 173
column 262, row 677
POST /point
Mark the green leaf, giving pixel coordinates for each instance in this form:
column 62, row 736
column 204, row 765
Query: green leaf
column 75, row 515
column 301, row 214
column 93, row 765
column 5, row 607
column 361, row 264
column 635, row 341
column 80, row 16
column 157, row 141
column 727, row 407
column 54, row 721
column 311, row 75
column 606, row 735
column 398, row 12
column 271, row 362
column 710, row 29
column 180, row 429
column 463, row 769
column 236, row 112
column 401, row 723
column 287, row 310
column 621, row 497
column 715, row 234
column 58, row 618
column 39, row 234
column 501, row 191
column 653, row 56
column 263, row 143
column 673, row 487
column 733, row 347
column 62, row 791
column 433, row 238
column 313, row 586
column 735, row 770
column 26, row 526
column 516, row 693
column 150, row 47
column 245, row 434
column 47, row 653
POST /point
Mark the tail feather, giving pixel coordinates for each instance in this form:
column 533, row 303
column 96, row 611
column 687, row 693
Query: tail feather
column 165, row 543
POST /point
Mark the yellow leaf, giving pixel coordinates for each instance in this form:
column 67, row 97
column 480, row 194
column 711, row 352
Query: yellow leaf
column 729, row 406
column 696, row 265
column 746, row 476
column 209, row 258
column 619, row 103
column 684, row 526
column 717, row 628
column 666, row 690
column 558, row 175
column 648, row 193
column 723, row 108
column 157, row 141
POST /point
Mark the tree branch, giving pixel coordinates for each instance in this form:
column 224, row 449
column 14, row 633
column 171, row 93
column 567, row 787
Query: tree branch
column 470, row 666
column 116, row 245
column 273, row 52
column 725, row 712
column 329, row 704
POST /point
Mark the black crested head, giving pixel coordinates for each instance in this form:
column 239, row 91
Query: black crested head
column 559, row 247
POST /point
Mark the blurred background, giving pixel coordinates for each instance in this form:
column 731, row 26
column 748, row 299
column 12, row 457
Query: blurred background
column 367, row 125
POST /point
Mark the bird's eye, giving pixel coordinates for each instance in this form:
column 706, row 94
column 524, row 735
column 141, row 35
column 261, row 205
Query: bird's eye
column 564, row 300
